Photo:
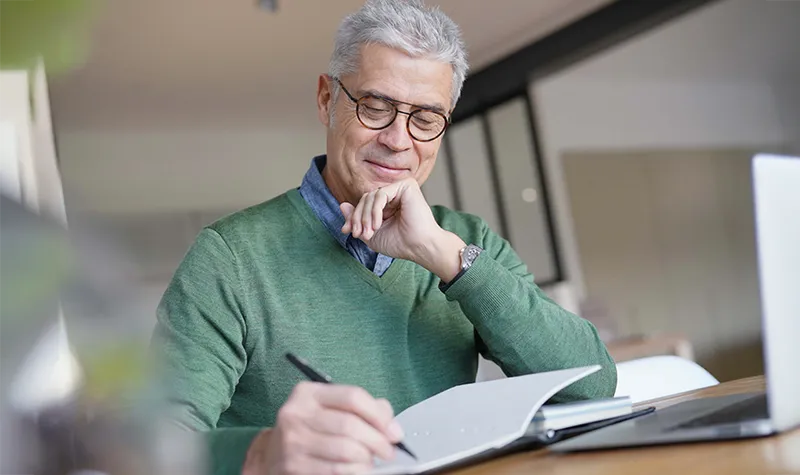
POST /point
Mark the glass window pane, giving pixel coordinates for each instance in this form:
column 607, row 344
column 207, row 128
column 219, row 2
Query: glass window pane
column 471, row 163
column 520, row 188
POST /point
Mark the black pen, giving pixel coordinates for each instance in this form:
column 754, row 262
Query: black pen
column 317, row 377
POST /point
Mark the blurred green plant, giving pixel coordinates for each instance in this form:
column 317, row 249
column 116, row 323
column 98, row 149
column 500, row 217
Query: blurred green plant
column 114, row 370
column 55, row 30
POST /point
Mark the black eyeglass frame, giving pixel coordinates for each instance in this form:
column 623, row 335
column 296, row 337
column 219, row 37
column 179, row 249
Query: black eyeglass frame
column 394, row 103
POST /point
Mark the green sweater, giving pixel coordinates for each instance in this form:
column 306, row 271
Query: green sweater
column 271, row 279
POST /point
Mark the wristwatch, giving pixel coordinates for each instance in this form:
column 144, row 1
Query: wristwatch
column 468, row 255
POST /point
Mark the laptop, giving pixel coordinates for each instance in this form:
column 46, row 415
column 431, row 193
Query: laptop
column 776, row 181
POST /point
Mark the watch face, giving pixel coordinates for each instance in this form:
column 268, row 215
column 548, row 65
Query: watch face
column 470, row 254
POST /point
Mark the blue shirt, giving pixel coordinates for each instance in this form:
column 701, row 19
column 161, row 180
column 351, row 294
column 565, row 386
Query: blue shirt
column 316, row 193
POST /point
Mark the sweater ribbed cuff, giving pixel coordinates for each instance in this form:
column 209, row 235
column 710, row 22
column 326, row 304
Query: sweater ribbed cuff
column 485, row 285
column 490, row 296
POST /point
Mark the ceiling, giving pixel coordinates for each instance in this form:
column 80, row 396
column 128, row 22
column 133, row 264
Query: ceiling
column 734, row 40
column 182, row 63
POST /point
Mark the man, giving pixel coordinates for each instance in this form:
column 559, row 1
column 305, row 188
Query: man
column 355, row 272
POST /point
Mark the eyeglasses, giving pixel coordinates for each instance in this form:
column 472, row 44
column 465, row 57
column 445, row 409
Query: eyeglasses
column 376, row 113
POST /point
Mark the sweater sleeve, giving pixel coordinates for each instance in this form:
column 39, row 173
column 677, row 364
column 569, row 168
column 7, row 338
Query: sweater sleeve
column 199, row 345
column 524, row 331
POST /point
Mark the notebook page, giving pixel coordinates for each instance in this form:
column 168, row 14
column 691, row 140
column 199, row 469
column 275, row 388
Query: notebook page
column 471, row 418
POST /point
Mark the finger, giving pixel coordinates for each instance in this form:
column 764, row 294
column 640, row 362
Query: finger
column 366, row 216
column 381, row 199
column 391, row 191
column 394, row 197
column 336, row 448
column 311, row 466
column 340, row 423
column 355, row 218
column 395, row 434
column 359, row 402
column 347, row 210
column 351, row 468
column 386, row 407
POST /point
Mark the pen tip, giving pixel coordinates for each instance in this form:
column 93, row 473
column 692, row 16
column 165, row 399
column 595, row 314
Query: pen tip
column 402, row 446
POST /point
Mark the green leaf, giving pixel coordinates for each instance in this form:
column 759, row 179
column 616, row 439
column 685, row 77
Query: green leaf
column 56, row 30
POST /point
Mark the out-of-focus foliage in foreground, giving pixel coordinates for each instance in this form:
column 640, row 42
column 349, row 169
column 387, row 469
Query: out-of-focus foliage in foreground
column 55, row 30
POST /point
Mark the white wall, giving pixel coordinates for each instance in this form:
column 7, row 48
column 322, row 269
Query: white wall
column 787, row 99
column 721, row 77
column 145, row 171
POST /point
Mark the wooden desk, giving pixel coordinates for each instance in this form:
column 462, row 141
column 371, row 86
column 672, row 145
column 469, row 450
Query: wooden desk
column 773, row 455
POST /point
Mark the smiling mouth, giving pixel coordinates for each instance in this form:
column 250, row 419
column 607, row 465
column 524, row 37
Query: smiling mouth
column 386, row 169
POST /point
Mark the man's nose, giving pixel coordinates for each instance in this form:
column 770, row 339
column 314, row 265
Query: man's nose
column 396, row 136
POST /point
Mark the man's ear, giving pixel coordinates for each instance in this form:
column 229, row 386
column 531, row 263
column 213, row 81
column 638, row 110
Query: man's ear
column 324, row 99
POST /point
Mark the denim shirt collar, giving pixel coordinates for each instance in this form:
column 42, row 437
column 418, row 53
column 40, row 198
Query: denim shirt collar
column 316, row 193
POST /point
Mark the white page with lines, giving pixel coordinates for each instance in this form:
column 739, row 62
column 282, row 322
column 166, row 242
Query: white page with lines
column 469, row 419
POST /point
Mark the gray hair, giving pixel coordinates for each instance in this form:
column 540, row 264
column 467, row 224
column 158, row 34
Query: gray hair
column 407, row 25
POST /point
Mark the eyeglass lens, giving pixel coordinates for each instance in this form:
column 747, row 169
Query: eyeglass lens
column 377, row 113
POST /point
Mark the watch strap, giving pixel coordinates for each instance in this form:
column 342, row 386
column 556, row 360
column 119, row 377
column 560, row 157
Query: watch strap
column 443, row 287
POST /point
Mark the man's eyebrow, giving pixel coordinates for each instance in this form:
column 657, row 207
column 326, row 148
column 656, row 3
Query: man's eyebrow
column 433, row 107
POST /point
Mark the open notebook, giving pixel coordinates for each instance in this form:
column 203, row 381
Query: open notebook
column 470, row 419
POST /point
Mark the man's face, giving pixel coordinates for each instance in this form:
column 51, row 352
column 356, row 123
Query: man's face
column 361, row 160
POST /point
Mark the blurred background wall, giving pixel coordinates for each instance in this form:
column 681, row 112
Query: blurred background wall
column 620, row 174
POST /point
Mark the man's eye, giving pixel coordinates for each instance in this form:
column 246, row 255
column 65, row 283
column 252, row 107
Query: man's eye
column 376, row 109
